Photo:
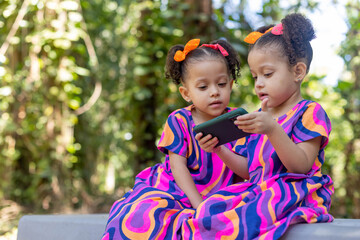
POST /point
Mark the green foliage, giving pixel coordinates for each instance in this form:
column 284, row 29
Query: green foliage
column 83, row 97
column 39, row 75
column 348, row 134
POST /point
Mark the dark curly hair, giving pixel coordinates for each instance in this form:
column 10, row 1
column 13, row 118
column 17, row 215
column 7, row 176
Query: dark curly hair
column 177, row 70
column 294, row 43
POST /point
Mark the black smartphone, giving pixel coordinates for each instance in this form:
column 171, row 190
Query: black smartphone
column 223, row 127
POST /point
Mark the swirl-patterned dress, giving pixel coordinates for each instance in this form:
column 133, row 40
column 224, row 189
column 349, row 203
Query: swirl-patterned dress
column 156, row 207
column 273, row 198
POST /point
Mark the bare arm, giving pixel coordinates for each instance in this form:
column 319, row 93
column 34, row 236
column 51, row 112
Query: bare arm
column 183, row 178
column 297, row 158
column 237, row 163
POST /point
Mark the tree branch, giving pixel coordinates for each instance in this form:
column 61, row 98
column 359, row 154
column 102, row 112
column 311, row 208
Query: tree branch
column 15, row 27
column 94, row 62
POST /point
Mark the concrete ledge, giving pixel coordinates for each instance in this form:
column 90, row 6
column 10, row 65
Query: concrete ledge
column 92, row 226
column 338, row 229
column 62, row 227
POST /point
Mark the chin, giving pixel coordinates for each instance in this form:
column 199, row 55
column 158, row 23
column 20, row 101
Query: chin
column 218, row 113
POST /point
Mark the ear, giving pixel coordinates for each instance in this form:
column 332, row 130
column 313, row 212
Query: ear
column 300, row 71
column 184, row 93
column 231, row 84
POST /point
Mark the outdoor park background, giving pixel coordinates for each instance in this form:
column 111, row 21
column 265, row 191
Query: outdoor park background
column 83, row 97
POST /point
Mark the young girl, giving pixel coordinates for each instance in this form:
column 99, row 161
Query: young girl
column 282, row 158
column 166, row 195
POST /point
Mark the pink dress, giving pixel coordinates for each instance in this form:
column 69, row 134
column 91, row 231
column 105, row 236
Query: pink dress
column 262, row 207
column 156, row 207
column 273, row 198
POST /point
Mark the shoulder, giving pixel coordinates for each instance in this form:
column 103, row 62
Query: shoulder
column 308, row 108
column 312, row 122
column 314, row 110
column 311, row 104
column 308, row 104
column 309, row 115
column 181, row 113
column 314, row 117
column 179, row 117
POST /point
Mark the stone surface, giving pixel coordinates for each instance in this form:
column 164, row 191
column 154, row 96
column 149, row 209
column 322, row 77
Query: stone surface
column 64, row 227
column 92, row 226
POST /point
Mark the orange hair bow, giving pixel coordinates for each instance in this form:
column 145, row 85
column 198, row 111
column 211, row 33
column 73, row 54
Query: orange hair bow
column 190, row 45
column 254, row 36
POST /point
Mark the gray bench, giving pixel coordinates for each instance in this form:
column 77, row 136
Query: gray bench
column 62, row 227
column 92, row 226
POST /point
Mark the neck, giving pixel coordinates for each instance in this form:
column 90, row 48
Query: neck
column 287, row 105
column 200, row 117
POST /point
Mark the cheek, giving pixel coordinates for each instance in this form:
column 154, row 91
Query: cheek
column 227, row 93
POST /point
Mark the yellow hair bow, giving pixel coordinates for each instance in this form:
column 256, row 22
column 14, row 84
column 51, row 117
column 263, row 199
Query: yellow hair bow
column 190, row 45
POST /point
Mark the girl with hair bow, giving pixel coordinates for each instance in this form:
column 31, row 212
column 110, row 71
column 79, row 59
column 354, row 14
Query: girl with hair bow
column 283, row 156
column 166, row 195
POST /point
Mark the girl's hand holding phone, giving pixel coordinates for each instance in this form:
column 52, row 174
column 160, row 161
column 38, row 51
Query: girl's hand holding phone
column 208, row 143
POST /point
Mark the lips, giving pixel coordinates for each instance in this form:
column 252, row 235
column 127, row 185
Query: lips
column 215, row 103
column 262, row 96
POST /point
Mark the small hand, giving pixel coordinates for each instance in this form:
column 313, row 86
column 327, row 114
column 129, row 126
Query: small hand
column 256, row 122
column 207, row 143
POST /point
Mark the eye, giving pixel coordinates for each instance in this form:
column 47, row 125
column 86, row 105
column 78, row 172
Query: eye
column 202, row 87
column 268, row 74
column 222, row 84
column 254, row 77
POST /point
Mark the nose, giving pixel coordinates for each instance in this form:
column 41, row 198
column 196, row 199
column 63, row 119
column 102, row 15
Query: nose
column 214, row 91
column 259, row 83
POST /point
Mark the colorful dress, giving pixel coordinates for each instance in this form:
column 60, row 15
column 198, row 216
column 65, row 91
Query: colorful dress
column 156, row 207
column 272, row 199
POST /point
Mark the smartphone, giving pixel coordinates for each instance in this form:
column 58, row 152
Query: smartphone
column 223, row 127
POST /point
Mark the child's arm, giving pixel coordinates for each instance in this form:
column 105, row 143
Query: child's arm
column 297, row 158
column 183, row 178
column 237, row 163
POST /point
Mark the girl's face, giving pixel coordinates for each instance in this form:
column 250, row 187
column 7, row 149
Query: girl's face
column 208, row 86
column 275, row 79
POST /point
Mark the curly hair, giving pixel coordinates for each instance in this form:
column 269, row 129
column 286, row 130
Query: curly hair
column 294, row 43
column 177, row 70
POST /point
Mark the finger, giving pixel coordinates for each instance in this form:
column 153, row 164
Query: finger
column 247, row 116
column 212, row 142
column 205, row 140
column 245, row 122
column 210, row 145
column 264, row 107
column 248, row 129
column 213, row 146
column 198, row 136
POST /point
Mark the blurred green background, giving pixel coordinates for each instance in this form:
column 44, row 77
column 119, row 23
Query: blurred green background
column 83, row 97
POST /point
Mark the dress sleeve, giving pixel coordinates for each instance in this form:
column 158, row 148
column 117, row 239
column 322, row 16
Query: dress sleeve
column 174, row 137
column 313, row 123
column 241, row 147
